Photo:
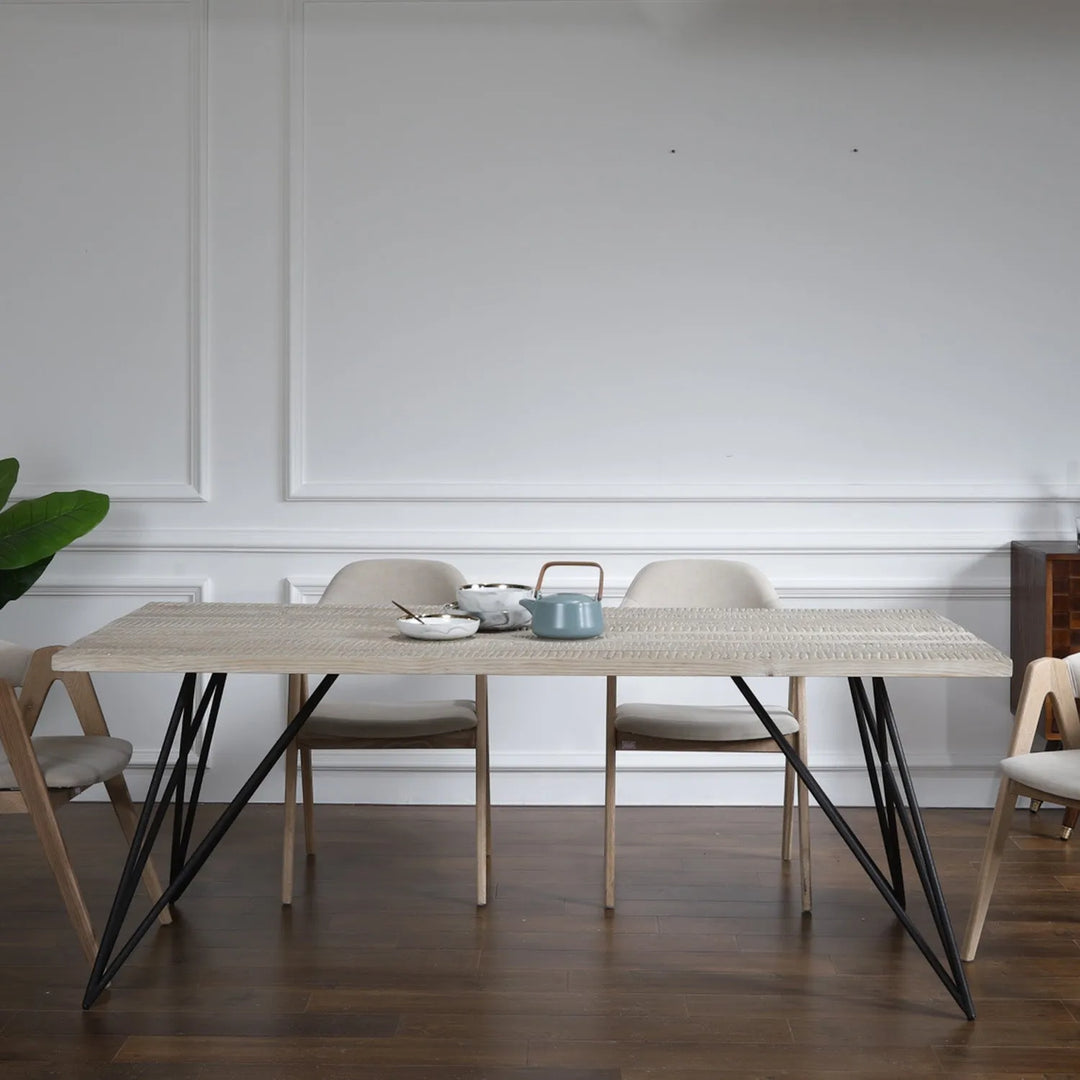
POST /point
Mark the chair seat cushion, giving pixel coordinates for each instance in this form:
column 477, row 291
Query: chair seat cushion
column 1057, row 772
column 14, row 660
column 707, row 723
column 374, row 720
column 73, row 761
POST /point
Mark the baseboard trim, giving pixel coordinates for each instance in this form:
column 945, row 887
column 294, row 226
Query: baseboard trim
column 446, row 778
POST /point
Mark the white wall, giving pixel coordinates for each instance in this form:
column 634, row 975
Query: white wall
column 783, row 281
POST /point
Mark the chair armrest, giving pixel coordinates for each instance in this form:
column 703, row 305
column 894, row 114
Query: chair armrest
column 78, row 684
column 16, row 745
column 36, row 685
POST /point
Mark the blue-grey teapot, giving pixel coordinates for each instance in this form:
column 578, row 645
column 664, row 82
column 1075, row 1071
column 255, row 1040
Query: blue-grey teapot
column 566, row 615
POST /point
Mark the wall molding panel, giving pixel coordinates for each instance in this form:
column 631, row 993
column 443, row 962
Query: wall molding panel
column 149, row 590
column 546, row 778
column 296, row 293
column 194, row 484
column 646, row 543
column 307, row 590
column 659, row 494
column 138, row 590
column 315, row 162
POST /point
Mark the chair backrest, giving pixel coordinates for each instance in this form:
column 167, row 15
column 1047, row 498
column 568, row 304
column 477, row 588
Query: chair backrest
column 378, row 581
column 1048, row 678
column 700, row 583
column 1068, row 712
column 14, row 665
column 14, row 662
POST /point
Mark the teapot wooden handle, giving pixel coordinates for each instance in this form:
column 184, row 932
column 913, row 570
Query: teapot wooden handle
column 544, row 569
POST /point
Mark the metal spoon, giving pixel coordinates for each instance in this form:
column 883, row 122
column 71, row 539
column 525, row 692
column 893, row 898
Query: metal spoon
column 411, row 614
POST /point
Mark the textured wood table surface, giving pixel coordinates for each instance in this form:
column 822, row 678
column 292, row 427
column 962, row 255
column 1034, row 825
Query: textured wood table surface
column 278, row 638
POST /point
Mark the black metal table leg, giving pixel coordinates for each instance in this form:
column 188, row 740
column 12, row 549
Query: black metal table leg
column 884, row 792
column 186, row 720
column 883, row 737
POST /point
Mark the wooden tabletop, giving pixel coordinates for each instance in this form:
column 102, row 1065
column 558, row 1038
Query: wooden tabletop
column 279, row 638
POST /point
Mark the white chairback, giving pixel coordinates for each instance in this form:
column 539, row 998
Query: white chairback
column 14, row 661
column 378, row 581
column 700, row 583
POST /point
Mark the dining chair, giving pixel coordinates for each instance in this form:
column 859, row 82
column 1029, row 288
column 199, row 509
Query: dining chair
column 698, row 583
column 1050, row 776
column 364, row 724
column 40, row 773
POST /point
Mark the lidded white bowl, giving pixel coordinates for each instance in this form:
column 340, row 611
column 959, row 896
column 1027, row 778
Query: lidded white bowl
column 498, row 605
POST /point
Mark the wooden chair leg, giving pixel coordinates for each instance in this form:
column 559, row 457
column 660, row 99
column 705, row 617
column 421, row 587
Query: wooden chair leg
column 988, row 869
column 804, row 835
column 609, row 797
column 52, row 841
column 288, row 838
column 120, row 797
column 483, row 799
column 787, row 825
column 15, row 742
column 797, row 707
column 487, row 822
column 308, row 783
column 41, row 813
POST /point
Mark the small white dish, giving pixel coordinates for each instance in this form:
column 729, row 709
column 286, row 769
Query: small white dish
column 444, row 627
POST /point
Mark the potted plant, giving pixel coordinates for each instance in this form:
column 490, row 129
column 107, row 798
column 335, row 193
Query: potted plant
column 34, row 530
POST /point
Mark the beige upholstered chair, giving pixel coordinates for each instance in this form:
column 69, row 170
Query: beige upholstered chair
column 1050, row 776
column 364, row 724
column 724, row 728
column 39, row 774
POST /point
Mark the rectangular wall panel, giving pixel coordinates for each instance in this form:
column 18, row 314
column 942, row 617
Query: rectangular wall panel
column 618, row 247
column 101, row 123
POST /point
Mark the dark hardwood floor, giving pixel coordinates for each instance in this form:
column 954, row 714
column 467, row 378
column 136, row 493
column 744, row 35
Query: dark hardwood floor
column 385, row 969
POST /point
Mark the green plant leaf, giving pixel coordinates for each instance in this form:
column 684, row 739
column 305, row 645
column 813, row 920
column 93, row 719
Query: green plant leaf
column 13, row 583
column 36, row 529
column 9, row 473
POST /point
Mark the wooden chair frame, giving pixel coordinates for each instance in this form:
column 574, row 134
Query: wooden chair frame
column 302, row 746
column 19, row 715
column 616, row 741
column 1045, row 679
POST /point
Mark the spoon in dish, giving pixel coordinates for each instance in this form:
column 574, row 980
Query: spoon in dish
column 411, row 614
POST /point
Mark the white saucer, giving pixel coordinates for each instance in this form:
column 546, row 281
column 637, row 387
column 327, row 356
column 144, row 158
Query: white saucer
column 439, row 627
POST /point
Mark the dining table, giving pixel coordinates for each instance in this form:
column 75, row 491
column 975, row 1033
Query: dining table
column 204, row 643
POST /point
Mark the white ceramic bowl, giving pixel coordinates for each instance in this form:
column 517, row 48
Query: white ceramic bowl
column 444, row 627
column 499, row 606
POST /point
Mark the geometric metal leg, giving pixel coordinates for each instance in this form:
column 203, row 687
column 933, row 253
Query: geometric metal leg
column 875, row 749
column 894, row 796
column 186, row 721
column 919, row 845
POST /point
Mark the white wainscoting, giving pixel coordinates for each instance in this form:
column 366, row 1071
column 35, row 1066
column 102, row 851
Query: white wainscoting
column 547, row 734
column 501, row 281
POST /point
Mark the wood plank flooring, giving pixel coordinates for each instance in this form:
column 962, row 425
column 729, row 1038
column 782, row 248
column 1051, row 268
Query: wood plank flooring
column 385, row 970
